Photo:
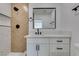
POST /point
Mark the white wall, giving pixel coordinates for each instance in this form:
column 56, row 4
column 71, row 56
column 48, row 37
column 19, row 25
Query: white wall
column 5, row 32
column 5, row 9
column 70, row 22
column 45, row 5
column 5, row 35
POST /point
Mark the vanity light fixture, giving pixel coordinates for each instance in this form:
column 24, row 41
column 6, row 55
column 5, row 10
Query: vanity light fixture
column 76, row 10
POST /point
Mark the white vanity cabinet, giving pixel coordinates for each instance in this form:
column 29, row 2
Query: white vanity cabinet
column 38, row 47
column 48, row 46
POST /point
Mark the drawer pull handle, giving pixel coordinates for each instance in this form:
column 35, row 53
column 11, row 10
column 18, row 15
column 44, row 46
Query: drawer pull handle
column 59, row 41
column 59, row 48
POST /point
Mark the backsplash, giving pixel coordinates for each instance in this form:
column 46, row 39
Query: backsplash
column 51, row 31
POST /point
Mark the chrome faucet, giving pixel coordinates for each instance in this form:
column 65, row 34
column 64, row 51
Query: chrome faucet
column 38, row 32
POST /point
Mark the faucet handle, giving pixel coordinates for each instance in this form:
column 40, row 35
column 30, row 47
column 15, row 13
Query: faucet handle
column 36, row 33
column 40, row 33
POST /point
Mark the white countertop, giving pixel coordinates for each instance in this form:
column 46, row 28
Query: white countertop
column 32, row 36
column 49, row 33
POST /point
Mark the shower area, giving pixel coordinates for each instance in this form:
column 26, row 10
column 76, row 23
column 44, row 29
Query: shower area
column 13, row 28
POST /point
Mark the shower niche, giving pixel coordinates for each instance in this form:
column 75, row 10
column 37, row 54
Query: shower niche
column 44, row 18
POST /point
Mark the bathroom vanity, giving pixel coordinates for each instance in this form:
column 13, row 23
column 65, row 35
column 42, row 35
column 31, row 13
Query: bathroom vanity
column 43, row 39
column 48, row 45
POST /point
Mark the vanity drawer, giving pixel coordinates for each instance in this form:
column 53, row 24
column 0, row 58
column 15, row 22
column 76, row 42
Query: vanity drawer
column 59, row 48
column 59, row 40
column 30, row 41
column 38, row 40
column 59, row 54
column 42, row 40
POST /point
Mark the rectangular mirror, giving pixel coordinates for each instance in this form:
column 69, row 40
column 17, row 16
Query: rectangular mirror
column 44, row 18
